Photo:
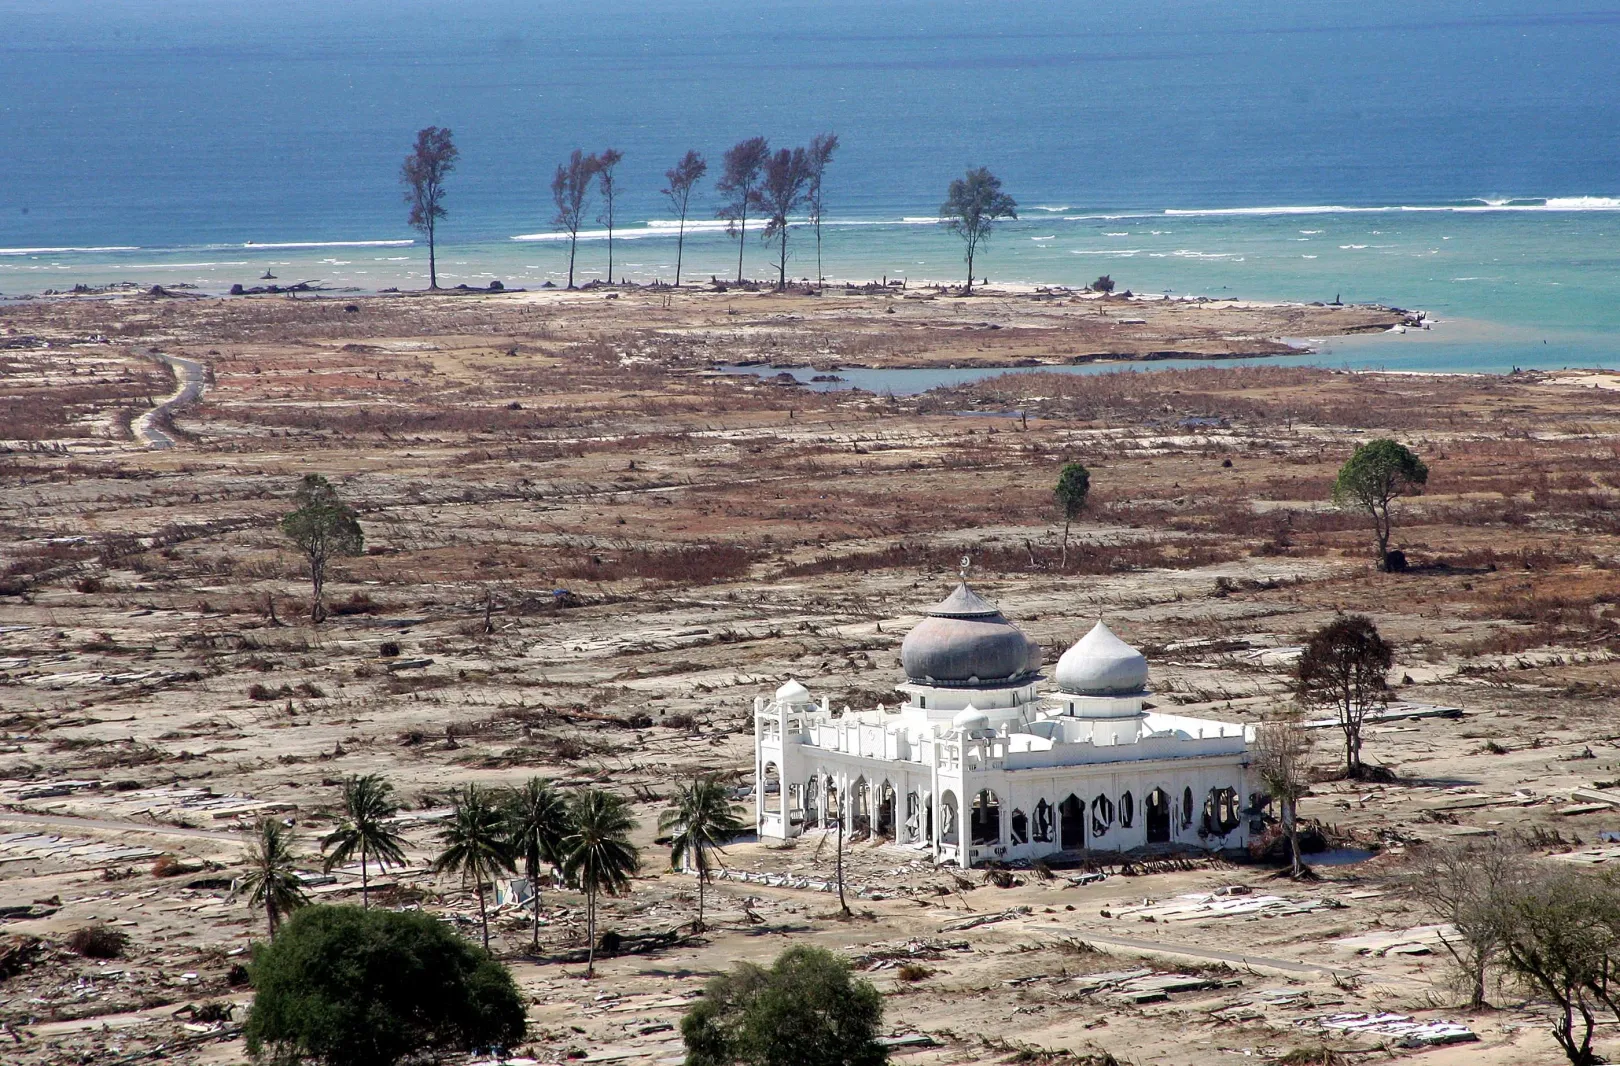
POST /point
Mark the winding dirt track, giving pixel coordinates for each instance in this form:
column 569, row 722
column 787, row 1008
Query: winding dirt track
column 188, row 387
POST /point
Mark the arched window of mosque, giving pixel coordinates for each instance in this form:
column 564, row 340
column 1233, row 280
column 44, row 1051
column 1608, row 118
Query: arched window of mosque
column 1020, row 827
column 1186, row 806
column 1127, row 811
column 1102, row 815
column 1043, row 822
column 1220, row 812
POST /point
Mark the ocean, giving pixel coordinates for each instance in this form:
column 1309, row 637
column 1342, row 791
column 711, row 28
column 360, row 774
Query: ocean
column 1459, row 156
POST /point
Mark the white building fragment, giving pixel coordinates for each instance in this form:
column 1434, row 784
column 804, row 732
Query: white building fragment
column 977, row 764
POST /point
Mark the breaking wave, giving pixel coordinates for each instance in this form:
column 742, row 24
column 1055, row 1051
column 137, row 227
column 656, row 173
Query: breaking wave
column 70, row 251
column 1478, row 205
column 323, row 244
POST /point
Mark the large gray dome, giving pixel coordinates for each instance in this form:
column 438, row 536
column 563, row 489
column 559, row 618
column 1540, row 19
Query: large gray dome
column 964, row 641
column 1100, row 664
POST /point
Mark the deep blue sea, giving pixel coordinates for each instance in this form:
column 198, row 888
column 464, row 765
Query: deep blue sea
column 1461, row 157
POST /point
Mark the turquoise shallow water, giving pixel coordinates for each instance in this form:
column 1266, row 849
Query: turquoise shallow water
column 1462, row 157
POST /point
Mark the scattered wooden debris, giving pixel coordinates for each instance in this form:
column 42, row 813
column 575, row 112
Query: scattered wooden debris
column 1407, row 1031
column 977, row 920
column 1223, row 903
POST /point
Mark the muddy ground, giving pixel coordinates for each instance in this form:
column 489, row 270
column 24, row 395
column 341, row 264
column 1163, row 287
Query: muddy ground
column 586, row 552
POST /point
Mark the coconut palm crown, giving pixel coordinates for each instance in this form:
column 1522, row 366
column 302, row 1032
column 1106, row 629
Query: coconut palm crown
column 702, row 820
column 477, row 845
column 367, row 806
column 270, row 880
column 597, row 854
column 537, row 818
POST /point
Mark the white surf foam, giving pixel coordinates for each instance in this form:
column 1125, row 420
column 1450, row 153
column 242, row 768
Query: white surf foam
column 1480, row 205
column 323, row 244
column 71, row 251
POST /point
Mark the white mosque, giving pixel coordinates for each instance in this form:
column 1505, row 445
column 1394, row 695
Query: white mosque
column 978, row 765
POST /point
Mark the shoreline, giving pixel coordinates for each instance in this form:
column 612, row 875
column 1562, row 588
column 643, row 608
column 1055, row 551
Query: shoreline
column 882, row 327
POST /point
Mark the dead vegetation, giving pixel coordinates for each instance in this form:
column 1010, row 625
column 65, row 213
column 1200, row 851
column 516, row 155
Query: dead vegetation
column 586, row 555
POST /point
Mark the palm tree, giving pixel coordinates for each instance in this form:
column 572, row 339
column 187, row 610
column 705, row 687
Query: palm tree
column 270, row 879
column 537, row 818
column 597, row 853
column 701, row 821
column 475, row 845
column 367, row 806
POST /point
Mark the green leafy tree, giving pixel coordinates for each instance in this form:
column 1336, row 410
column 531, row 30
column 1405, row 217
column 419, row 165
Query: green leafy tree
column 1073, row 486
column 431, row 160
column 367, row 806
column 682, row 178
column 740, row 170
column 807, row 1009
column 323, row 527
column 343, row 986
column 597, row 854
column 537, row 817
column 817, row 157
column 271, row 881
column 1560, row 937
column 477, row 845
column 702, row 820
column 1280, row 748
column 1345, row 666
column 1373, row 478
column 972, row 207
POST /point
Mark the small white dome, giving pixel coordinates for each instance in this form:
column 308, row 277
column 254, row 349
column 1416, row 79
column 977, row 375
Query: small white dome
column 970, row 720
column 793, row 694
column 1100, row 664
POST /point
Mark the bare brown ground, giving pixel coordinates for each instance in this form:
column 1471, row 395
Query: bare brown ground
column 715, row 536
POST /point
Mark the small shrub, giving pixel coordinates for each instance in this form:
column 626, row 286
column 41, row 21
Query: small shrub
column 98, row 942
column 357, row 603
column 913, row 971
column 89, row 584
column 169, row 866
column 213, row 1011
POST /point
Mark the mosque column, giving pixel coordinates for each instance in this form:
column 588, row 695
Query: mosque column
column 759, row 770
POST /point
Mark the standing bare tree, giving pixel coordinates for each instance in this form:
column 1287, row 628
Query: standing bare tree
column 818, row 155
column 1280, row 746
column 682, row 177
column 1464, row 885
column 780, row 193
column 742, row 165
column 1345, row 666
column 571, row 191
column 1560, row 938
column 972, row 207
column 606, row 182
column 423, row 177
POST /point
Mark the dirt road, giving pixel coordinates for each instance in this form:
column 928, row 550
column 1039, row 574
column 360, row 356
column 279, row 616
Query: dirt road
column 189, row 380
